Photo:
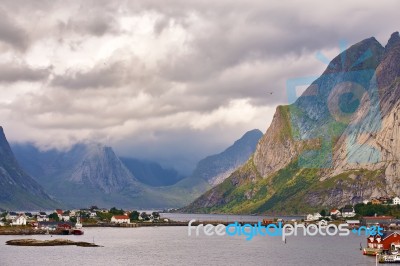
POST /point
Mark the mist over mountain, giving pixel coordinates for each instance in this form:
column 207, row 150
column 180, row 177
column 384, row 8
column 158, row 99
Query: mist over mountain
column 86, row 174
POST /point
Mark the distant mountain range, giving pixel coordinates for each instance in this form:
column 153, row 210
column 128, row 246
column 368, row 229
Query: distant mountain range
column 17, row 189
column 92, row 174
column 339, row 143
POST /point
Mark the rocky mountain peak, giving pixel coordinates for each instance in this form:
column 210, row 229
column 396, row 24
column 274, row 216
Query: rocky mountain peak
column 362, row 55
column 389, row 69
column 394, row 40
column 102, row 169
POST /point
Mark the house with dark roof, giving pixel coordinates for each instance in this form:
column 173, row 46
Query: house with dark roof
column 377, row 220
column 11, row 216
column 42, row 217
column 348, row 211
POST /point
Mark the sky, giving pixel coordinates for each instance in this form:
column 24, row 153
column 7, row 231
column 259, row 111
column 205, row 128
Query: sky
column 171, row 81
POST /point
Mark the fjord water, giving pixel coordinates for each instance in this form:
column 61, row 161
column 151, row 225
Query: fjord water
column 173, row 246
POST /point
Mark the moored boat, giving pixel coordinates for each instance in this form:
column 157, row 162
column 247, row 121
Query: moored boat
column 389, row 258
column 77, row 232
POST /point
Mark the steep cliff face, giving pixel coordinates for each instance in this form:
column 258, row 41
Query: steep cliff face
column 310, row 118
column 337, row 144
column 18, row 189
column 372, row 139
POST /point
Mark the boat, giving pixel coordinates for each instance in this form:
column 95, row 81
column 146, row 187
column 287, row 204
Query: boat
column 78, row 224
column 372, row 251
column 77, row 230
column 389, row 258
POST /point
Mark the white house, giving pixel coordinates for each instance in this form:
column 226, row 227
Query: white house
column 366, row 201
column 313, row 217
column 65, row 217
column 348, row 212
column 120, row 219
column 93, row 214
column 11, row 216
column 335, row 212
column 20, row 220
column 396, row 201
column 42, row 217
column 1, row 223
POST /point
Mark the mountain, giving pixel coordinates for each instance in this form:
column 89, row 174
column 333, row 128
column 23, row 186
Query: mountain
column 84, row 175
column 216, row 168
column 337, row 144
column 92, row 174
column 151, row 173
column 17, row 189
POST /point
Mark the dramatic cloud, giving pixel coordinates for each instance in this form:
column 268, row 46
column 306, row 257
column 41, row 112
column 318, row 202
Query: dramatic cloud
column 14, row 72
column 11, row 33
column 166, row 80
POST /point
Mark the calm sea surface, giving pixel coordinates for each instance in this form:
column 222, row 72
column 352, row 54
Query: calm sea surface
column 173, row 246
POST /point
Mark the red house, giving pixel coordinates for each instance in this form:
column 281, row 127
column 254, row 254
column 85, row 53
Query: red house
column 385, row 241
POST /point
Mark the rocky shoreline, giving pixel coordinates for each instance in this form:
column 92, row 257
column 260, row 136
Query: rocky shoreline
column 22, row 231
column 48, row 243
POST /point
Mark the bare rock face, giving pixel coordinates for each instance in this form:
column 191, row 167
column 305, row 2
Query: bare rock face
column 310, row 118
column 102, row 169
column 373, row 143
column 276, row 148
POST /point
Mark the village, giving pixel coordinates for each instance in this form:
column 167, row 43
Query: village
column 53, row 220
column 382, row 211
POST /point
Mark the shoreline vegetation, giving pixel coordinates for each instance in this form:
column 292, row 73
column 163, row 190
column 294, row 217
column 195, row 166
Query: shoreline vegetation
column 27, row 230
column 49, row 243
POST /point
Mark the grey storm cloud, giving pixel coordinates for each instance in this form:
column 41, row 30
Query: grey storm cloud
column 11, row 33
column 14, row 72
column 91, row 22
column 146, row 75
column 99, row 77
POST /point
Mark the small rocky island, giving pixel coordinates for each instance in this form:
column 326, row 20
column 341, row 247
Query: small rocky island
column 47, row 243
